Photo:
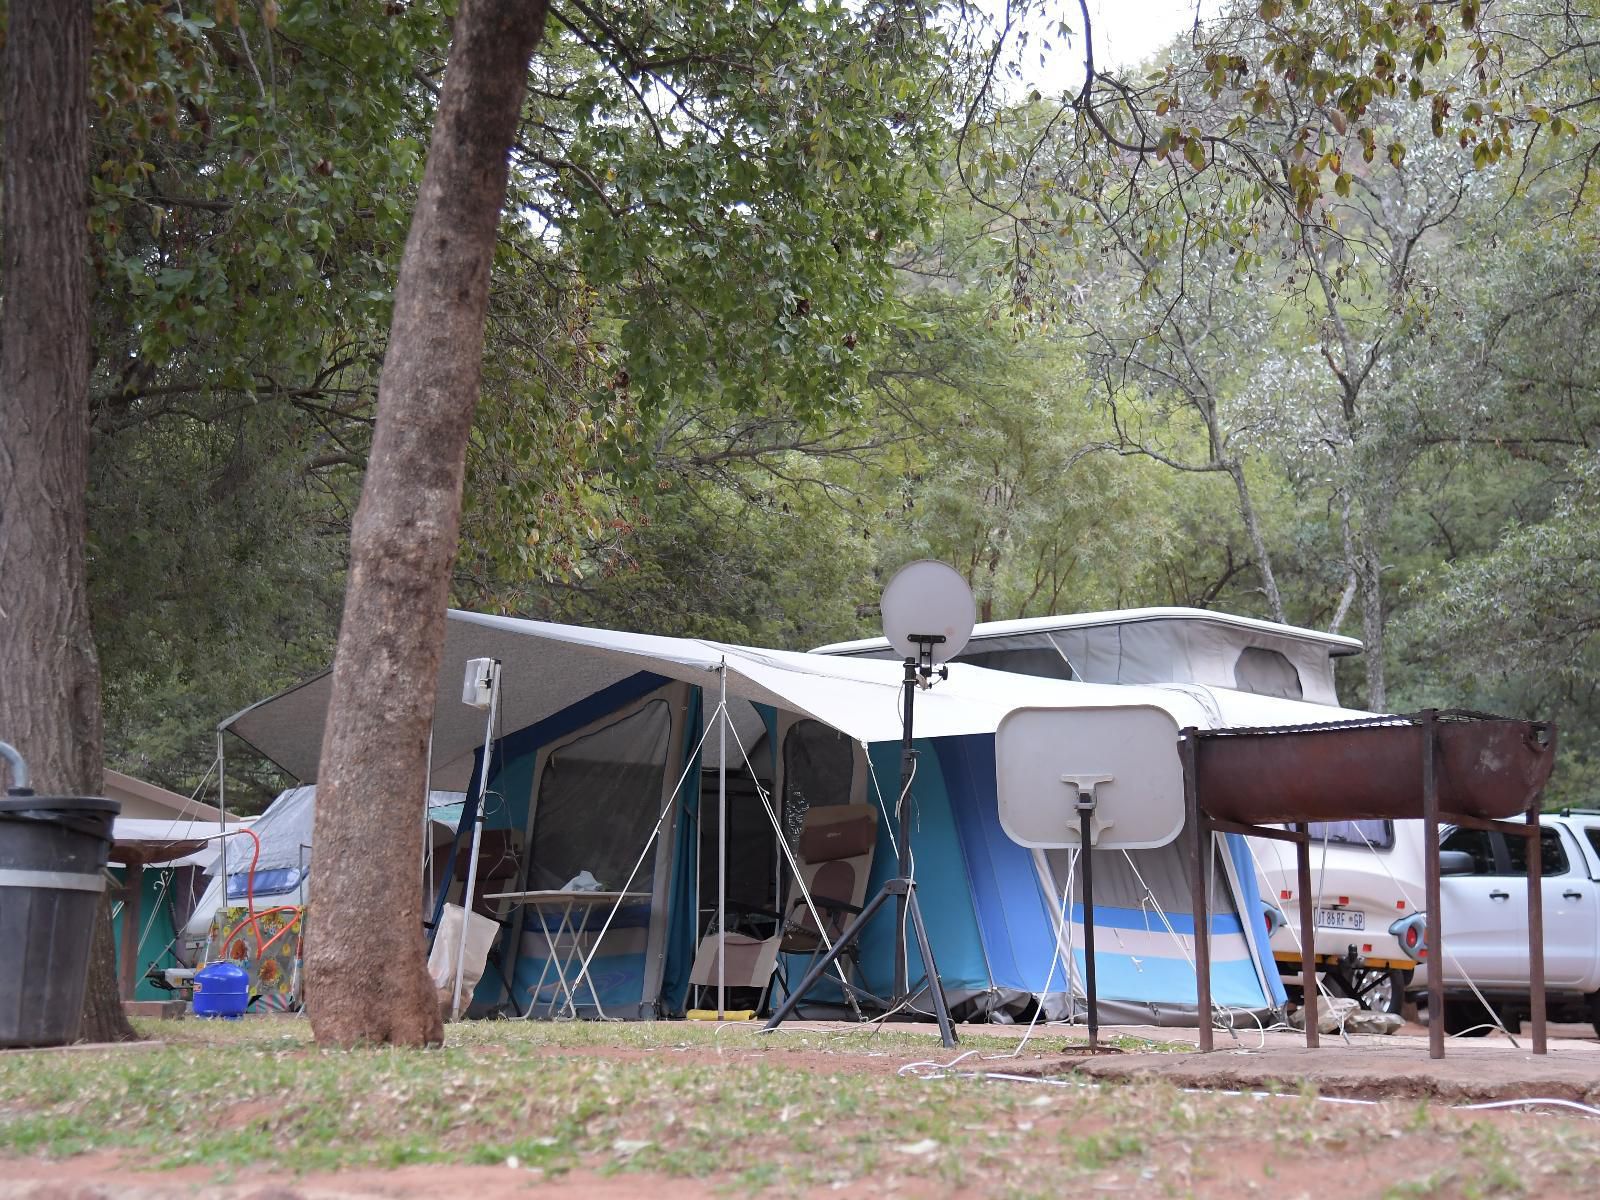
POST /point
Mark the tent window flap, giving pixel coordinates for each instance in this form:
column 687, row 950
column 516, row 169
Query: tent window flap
column 599, row 798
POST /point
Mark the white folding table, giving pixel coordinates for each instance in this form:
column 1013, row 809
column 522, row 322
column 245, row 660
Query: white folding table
column 572, row 909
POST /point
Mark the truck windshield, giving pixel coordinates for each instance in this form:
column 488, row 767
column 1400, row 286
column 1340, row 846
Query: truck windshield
column 1377, row 834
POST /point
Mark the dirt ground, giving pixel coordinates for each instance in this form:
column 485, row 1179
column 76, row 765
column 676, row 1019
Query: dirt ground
column 1394, row 1071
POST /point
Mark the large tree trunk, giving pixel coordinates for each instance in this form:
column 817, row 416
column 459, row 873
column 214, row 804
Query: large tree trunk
column 366, row 978
column 49, row 675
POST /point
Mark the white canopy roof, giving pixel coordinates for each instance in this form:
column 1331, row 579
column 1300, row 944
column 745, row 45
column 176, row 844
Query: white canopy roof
column 547, row 667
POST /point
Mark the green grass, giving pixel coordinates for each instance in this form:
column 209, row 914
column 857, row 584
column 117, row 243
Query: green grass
column 787, row 1112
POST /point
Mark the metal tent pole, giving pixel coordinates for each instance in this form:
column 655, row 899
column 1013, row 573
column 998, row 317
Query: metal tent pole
column 222, row 816
column 427, row 820
column 722, row 836
column 477, row 837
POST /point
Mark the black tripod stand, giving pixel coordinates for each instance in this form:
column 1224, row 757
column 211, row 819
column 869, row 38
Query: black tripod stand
column 903, row 888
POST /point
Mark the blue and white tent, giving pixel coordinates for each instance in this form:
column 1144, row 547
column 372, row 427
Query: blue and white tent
column 603, row 756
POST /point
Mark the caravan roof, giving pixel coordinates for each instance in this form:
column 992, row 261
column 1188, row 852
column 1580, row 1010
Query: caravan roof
column 1153, row 645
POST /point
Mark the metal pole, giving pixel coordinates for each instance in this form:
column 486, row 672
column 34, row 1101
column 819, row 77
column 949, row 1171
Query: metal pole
column 1433, row 932
column 1197, row 890
column 722, row 836
column 1085, row 812
column 908, row 769
column 1308, row 933
column 1536, row 928
column 222, row 817
column 477, row 838
column 427, row 822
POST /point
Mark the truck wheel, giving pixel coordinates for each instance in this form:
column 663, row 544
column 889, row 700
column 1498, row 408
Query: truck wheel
column 1594, row 1012
column 1388, row 994
column 1376, row 989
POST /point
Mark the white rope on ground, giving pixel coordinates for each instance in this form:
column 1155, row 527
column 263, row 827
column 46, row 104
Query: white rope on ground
column 928, row 1070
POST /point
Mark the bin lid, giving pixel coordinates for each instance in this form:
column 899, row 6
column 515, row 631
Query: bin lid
column 60, row 804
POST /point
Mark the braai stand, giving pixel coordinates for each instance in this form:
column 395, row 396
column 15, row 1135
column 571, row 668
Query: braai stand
column 1471, row 782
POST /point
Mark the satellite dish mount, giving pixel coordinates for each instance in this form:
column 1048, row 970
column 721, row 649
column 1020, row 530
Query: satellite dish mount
column 1087, row 779
column 928, row 614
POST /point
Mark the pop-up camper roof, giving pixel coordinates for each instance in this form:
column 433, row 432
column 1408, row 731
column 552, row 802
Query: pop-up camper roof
column 1153, row 645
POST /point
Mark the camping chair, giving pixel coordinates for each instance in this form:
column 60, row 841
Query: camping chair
column 750, row 964
column 835, row 861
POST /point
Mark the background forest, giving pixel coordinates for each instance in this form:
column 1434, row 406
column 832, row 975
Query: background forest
column 767, row 323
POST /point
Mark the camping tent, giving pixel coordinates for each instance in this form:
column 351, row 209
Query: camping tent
column 601, row 769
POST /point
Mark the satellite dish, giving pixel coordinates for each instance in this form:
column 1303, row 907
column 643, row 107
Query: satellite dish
column 928, row 598
column 1127, row 755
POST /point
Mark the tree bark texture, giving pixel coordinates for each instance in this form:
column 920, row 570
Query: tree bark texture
column 366, row 976
column 49, row 674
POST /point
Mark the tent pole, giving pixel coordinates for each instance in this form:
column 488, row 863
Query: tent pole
column 722, row 836
column 222, row 815
column 477, row 838
column 427, row 821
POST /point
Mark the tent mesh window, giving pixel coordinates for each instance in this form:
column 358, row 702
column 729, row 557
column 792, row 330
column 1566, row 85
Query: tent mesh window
column 1046, row 662
column 1267, row 673
column 599, row 798
column 818, row 768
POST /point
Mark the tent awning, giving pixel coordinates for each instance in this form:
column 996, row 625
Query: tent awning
column 547, row 667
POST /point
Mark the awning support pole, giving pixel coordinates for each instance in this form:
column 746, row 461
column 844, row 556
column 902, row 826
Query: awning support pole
column 722, row 836
column 427, row 822
column 222, row 815
column 477, row 837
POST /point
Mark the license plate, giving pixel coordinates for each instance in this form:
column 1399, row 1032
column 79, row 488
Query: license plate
column 1341, row 918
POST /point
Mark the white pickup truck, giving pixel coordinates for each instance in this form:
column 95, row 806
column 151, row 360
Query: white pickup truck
column 1486, row 923
column 1367, row 879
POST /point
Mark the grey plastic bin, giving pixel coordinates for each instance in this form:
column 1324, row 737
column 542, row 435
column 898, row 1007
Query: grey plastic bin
column 53, row 853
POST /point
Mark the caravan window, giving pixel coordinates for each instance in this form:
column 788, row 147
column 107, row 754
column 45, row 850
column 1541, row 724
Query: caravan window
column 818, row 768
column 1045, row 663
column 599, row 799
column 1267, row 673
column 1377, row 834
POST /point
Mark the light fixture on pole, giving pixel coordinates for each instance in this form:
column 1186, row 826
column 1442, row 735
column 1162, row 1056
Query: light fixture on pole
column 1089, row 779
column 928, row 614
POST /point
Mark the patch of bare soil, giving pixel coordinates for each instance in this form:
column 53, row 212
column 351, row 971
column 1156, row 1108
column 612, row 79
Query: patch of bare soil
column 1467, row 1075
column 99, row 1177
column 1356, row 1168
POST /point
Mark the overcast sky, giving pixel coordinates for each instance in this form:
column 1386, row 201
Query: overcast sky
column 1126, row 33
